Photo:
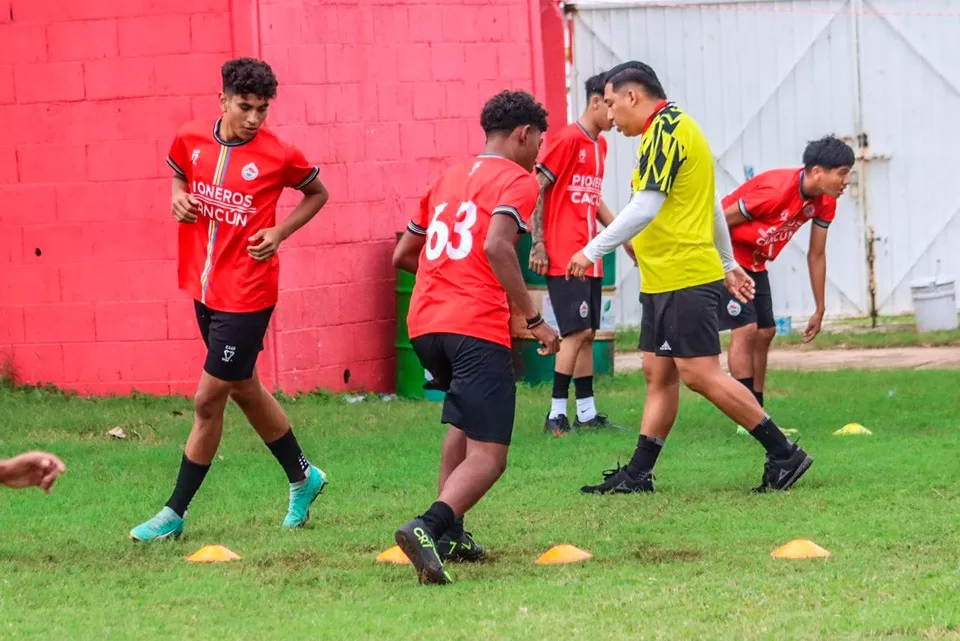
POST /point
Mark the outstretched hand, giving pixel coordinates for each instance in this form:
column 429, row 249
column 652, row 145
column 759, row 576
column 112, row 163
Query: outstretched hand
column 739, row 285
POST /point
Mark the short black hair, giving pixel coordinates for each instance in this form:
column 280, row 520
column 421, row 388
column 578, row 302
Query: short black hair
column 511, row 109
column 244, row 76
column 594, row 85
column 828, row 152
column 638, row 73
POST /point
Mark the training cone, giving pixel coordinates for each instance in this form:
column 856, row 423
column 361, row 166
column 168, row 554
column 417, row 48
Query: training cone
column 800, row 549
column 563, row 554
column 393, row 555
column 213, row 554
column 852, row 428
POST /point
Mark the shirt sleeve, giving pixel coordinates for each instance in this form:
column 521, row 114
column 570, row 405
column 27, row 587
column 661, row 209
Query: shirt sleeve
column 827, row 213
column 418, row 224
column 639, row 212
column 297, row 172
column 518, row 200
column 177, row 158
column 760, row 203
column 658, row 161
column 556, row 157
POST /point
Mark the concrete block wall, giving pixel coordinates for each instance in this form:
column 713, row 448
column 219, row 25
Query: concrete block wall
column 381, row 96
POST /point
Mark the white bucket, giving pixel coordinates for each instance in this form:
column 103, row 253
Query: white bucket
column 935, row 303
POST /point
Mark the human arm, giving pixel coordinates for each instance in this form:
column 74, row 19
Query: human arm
column 539, row 262
column 605, row 216
column 299, row 175
column 406, row 255
column 817, row 264
column 735, row 278
column 31, row 469
column 734, row 214
column 184, row 205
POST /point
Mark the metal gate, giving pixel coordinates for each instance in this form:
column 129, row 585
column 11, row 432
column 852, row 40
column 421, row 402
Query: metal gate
column 764, row 77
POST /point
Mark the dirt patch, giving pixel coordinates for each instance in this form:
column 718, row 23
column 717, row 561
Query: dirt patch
column 835, row 359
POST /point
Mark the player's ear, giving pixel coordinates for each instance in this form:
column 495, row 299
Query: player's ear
column 224, row 99
column 523, row 133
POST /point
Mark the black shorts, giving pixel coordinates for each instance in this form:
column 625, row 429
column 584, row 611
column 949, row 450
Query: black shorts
column 576, row 303
column 734, row 314
column 477, row 376
column 683, row 323
column 234, row 341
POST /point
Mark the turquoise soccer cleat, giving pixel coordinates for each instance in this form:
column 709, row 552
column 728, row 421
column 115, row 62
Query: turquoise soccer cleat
column 302, row 496
column 166, row 524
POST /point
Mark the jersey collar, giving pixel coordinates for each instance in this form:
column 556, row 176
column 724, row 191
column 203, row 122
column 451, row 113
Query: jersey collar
column 803, row 195
column 227, row 143
column 585, row 132
column 656, row 110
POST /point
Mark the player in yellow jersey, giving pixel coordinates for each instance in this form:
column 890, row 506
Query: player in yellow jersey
column 683, row 249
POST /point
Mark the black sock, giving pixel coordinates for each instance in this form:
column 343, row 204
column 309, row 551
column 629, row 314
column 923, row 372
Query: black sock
column 561, row 385
column 747, row 382
column 583, row 386
column 189, row 481
column 645, row 456
column 438, row 519
column 290, row 456
column 771, row 438
column 455, row 531
column 759, row 396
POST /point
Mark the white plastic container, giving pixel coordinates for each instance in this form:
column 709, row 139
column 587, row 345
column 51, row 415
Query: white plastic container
column 935, row 303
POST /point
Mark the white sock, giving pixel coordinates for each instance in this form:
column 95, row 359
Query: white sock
column 558, row 407
column 586, row 410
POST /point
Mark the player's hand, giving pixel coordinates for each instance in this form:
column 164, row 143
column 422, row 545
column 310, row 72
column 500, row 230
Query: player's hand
column 578, row 266
column 539, row 262
column 628, row 247
column 548, row 337
column 185, row 208
column 265, row 243
column 739, row 285
column 813, row 327
column 32, row 469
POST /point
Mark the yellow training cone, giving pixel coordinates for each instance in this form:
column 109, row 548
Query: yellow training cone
column 852, row 428
column 213, row 554
column 800, row 549
column 563, row 554
column 393, row 555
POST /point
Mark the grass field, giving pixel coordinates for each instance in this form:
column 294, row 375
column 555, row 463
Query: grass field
column 854, row 333
column 691, row 562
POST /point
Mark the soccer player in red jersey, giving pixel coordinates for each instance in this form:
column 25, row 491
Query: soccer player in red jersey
column 763, row 215
column 228, row 176
column 565, row 219
column 461, row 246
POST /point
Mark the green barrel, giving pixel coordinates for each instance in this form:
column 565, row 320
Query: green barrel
column 528, row 365
column 410, row 373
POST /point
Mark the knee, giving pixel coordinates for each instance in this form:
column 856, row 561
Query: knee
column 244, row 392
column 208, row 403
column 695, row 379
column 746, row 336
column 765, row 336
column 577, row 339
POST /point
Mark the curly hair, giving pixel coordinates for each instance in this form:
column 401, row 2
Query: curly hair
column 828, row 152
column 243, row 76
column 511, row 109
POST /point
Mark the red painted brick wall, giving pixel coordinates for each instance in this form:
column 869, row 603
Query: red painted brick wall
column 382, row 97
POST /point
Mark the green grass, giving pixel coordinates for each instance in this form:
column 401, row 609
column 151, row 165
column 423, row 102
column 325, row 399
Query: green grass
column 691, row 562
column 854, row 333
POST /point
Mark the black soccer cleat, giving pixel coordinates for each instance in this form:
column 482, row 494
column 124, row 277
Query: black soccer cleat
column 460, row 549
column 559, row 426
column 420, row 548
column 598, row 422
column 782, row 474
column 619, row 481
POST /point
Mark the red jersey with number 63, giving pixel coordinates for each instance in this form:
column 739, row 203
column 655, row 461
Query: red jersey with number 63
column 238, row 185
column 775, row 208
column 573, row 162
column 456, row 290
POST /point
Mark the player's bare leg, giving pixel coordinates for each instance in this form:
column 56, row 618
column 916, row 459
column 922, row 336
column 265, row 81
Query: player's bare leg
column 659, row 414
column 456, row 544
column 567, row 358
column 761, row 350
column 453, row 452
column 267, row 417
column 208, row 403
column 786, row 462
column 740, row 354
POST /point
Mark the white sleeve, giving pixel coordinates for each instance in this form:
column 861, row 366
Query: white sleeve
column 721, row 239
column 639, row 212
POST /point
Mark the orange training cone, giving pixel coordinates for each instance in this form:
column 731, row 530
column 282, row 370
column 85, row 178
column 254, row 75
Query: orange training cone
column 800, row 549
column 563, row 554
column 393, row 555
column 213, row 554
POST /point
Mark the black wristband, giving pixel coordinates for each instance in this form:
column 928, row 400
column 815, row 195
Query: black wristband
column 533, row 322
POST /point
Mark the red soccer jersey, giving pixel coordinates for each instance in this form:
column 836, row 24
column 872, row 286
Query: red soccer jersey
column 775, row 209
column 238, row 185
column 456, row 290
column 573, row 161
